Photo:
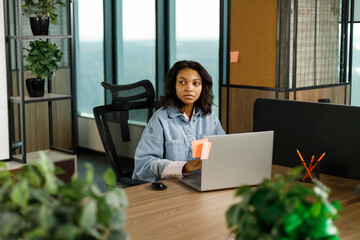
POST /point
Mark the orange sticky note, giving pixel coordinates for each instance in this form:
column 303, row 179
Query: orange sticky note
column 205, row 150
column 234, row 56
column 197, row 147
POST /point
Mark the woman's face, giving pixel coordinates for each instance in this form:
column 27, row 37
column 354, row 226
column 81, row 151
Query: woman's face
column 188, row 86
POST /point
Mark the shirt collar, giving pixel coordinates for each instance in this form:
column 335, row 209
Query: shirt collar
column 174, row 112
column 186, row 116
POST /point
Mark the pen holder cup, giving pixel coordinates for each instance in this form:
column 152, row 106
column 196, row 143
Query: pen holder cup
column 315, row 172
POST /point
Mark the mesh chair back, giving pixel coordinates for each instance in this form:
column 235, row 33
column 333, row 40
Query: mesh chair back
column 111, row 121
column 138, row 95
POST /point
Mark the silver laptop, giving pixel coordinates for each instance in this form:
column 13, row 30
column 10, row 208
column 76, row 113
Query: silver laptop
column 234, row 160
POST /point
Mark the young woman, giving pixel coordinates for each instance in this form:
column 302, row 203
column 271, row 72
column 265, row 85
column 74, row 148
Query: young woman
column 165, row 148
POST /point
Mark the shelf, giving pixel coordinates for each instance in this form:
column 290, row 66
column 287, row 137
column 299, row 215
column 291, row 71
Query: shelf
column 55, row 156
column 68, row 162
column 40, row 37
column 47, row 97
column 41, row 125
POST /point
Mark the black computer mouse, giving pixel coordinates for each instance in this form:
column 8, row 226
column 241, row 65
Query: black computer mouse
column 158, row 186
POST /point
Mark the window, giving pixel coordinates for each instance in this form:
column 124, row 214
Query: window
column 89, row 55
column 136, row 41
column 197, row 37
column 131, row 52
column 135, row 47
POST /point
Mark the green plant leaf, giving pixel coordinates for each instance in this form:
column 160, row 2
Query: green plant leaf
column 292, row 221
column 34, row 178
column 46, row 218
column 95, row 191
column 118, row 220
column 40, row 8
column 104, row 212
column 42, row 58
column 4, row 189
column 44, row 197
column 89, row 176
column 118, row 235
column 316, row 209
column 10, row 222
column 242, row 190
column 59, row 170
column 66, row 231
column 30, row 209
column 94, row 233
column 5, row 176
column 37, row 233
column 117, row 198
column 337, row 205
column 283, row 208
column 88, row 215
column 110, row 177
column 73, row 191
column 231, row 214
column 20, row 193
column 3, row 165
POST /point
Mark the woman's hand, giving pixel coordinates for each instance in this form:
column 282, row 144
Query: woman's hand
column 192, row 166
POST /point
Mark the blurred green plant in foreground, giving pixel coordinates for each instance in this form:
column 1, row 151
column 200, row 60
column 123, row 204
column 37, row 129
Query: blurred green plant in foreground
column 283, row 208
column 35, row 204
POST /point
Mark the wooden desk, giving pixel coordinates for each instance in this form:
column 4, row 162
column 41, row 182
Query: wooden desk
column 183, row 213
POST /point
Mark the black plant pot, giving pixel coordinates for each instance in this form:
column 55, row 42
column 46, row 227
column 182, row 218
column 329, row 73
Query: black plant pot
column 35, row 87
column 40, row 26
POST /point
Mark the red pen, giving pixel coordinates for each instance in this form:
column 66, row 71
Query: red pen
column 311, row 163
column 308, row 172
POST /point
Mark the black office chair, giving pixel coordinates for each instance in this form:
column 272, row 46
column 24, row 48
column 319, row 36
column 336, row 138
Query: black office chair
column 112, row 123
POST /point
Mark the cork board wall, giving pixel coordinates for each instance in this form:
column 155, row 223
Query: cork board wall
column 253, row 34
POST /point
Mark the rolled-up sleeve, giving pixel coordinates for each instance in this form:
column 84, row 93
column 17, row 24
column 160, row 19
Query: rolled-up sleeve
column 173, row 169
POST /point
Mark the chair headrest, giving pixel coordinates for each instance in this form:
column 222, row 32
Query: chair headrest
column 123, row 97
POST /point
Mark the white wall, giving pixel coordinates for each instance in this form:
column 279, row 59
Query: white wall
column 4, row 132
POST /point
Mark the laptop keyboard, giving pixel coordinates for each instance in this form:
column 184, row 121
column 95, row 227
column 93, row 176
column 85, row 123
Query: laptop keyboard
column 193, row 179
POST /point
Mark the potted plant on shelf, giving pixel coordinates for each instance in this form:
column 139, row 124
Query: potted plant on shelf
column 35, row 204
column 40, row 12
column 283, row 209
column 43, row 60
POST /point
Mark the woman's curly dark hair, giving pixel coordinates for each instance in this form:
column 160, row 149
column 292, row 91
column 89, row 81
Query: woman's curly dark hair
column 205, row 100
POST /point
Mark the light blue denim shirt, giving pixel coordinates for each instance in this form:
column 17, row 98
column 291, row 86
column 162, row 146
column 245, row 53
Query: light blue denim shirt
column 168, row 137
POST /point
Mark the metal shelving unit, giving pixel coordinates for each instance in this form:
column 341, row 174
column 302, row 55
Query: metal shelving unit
column 20, row 115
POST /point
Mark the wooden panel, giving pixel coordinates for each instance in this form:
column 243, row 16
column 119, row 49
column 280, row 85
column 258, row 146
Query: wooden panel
column 253, row 34
column 37, row 126
column 335, row 94
column 62, row 124
column 281, row 95
column 223, row 107
column 241, row 108
column 61, row 82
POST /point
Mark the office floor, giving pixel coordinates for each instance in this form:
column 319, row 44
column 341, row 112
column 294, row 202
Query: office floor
column 100, row 163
